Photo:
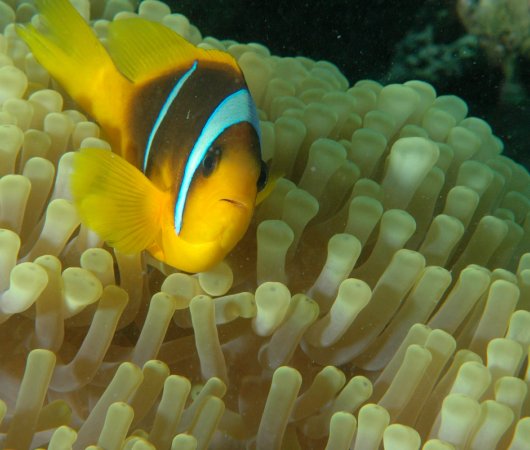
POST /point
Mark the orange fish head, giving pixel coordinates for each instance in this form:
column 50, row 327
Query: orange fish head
column 219, row 204
column 221, row 199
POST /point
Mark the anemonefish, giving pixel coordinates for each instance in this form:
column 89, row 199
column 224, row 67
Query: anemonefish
column 186, row 165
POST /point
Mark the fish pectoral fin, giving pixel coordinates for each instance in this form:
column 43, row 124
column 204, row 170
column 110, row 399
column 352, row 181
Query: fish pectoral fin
column 265, row 192
column 269, row 186
column 116, row 200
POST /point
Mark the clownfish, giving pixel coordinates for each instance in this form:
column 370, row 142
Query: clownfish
column 183, row 177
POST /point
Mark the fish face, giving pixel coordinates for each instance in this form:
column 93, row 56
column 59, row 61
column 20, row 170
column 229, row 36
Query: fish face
column 211, row 162
column 221, row 199
column 219, row 203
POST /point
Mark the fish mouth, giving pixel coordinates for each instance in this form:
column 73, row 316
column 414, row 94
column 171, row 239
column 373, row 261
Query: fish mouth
column 235, row 202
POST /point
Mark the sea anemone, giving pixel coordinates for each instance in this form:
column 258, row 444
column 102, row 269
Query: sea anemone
column 379, row 299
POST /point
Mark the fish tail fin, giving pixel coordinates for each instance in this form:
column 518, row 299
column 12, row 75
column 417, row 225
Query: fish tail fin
column 67, row 47
column 116, row 200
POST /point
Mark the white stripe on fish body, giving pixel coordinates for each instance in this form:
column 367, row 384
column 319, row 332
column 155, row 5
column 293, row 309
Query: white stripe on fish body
column 163, row 111
column 236, row 108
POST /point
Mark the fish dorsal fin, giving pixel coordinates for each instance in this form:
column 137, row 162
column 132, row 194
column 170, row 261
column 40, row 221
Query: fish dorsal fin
column 142, row 50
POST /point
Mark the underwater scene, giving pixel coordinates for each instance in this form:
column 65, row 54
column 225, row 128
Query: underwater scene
column 264, row 225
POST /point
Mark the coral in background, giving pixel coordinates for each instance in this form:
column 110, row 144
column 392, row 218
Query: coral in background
column 434, row 50
column 503, row 30
column 438, row 49
column 380, row 298
column 420, row 56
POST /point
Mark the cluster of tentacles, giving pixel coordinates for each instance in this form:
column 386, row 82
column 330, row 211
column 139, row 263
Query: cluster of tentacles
column 379, row 299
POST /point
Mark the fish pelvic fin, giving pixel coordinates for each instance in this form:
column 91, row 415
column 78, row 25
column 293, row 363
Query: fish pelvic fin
column 67, row 47
column 116, row 200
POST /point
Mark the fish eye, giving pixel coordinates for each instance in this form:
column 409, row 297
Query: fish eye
column 211, row 159
column 263, row 176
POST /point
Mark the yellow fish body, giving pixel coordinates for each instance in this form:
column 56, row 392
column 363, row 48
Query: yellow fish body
column 187, row 166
